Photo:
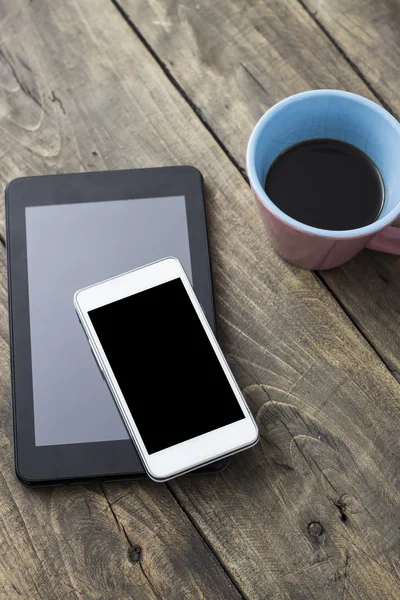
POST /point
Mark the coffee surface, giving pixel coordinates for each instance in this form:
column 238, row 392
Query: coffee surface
column 327, row 184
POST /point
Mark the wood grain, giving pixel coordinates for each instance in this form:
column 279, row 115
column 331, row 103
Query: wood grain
column 368, row 34
column 235, row 59
column 312, row 511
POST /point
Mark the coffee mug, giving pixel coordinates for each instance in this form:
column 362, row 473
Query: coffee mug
column 337, row 115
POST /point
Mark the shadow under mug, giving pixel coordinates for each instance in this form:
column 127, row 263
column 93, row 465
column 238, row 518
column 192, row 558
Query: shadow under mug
column 341, row 116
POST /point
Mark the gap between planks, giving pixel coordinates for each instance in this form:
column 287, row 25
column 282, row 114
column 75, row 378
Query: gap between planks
column 347, row 58
column 207, row 543
column 235, row 163
column 192, row 522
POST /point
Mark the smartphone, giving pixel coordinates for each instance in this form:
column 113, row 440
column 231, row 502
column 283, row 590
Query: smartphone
column 172, row 385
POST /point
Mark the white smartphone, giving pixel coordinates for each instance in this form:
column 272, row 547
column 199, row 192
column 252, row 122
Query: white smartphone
column 175, row 391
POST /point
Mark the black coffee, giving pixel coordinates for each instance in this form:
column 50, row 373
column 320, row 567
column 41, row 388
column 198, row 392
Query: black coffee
column 327, row 184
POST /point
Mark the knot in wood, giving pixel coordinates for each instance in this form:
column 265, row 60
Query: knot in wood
column 315, row 529
column 135, row 554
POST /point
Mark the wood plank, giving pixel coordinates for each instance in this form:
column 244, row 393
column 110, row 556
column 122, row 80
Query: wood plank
column 286, row 338
column 368, row 34
column 235, row 60
column 67, row 542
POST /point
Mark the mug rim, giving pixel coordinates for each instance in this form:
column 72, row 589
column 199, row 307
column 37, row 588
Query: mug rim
column 258, row 188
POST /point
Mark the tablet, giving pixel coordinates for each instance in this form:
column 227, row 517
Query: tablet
column 65, row 232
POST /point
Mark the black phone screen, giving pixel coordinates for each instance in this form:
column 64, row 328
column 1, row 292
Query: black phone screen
column 165, row 365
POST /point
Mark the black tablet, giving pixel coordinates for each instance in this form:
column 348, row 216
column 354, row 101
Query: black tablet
column 65, row 232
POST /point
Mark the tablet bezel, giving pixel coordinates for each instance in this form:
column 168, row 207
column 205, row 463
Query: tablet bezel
column 39, row 465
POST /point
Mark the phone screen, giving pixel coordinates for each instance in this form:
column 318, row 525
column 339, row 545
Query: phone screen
column 165, row 366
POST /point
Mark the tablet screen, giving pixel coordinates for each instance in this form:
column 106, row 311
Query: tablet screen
column 70, row 246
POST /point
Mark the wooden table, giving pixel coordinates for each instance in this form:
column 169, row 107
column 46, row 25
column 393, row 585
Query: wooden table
column 313, row 511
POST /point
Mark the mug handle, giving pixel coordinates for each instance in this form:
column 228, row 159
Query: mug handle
column 387, row 240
